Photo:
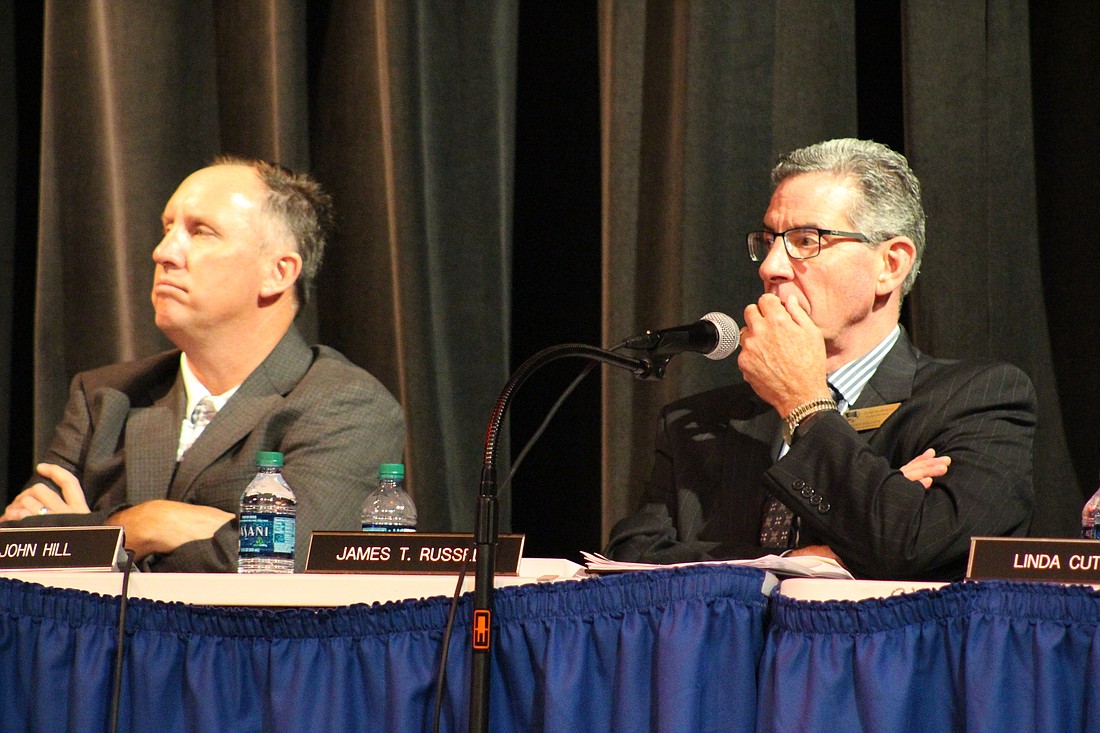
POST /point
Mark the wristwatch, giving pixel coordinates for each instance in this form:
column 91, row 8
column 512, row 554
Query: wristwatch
column 803, row 411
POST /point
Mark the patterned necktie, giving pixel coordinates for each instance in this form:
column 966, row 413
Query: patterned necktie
column 777, row 528
column 201, row 416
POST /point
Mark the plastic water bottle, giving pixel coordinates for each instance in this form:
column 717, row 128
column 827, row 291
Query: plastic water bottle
column 268, row 514
column 388, row 507
column 1090, row 517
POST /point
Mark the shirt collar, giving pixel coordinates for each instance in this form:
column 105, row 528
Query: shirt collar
column 850, row 379
column 196, row 391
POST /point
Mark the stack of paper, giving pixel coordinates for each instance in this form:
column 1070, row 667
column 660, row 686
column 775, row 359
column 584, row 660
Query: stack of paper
column 802, row 566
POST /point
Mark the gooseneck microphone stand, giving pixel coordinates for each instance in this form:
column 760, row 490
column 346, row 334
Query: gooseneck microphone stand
column 485, row 522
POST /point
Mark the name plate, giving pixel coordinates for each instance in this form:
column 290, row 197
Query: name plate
column 61, row 548
column 410, row 553
column 1034, row 558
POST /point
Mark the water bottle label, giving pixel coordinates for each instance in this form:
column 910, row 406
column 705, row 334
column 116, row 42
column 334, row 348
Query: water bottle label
column 267, row 535
column 386, row 528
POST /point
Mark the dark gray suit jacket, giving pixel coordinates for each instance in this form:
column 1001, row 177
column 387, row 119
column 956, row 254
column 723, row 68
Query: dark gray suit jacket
column 715, row 468
column 333, row 422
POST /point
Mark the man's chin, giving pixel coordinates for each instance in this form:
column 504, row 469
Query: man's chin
column 167, row 324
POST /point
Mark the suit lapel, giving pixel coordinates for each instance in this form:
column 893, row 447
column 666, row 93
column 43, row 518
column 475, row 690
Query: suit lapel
column 152, row 434
column 892, row 381
column 259, row 395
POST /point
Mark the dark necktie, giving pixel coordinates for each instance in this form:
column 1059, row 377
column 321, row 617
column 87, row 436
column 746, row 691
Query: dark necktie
column 777, row 528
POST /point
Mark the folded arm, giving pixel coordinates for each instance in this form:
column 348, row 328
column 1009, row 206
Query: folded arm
column 885, row 524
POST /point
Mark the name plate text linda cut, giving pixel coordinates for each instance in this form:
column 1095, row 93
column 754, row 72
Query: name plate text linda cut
column 61, row 548
column 1034, row 558
column 413, row 553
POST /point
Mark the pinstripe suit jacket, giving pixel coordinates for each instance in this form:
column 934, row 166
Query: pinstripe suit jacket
column 334, row 423
column 715, row 468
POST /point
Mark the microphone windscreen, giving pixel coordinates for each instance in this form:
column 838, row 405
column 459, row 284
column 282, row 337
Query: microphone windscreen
column 729, row 335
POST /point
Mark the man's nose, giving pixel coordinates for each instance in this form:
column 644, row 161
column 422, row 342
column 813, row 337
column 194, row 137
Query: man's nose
column 777, row 264
column 170, row 250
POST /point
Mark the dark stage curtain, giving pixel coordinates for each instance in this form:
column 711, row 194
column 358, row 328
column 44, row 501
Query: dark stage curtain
column 408, row 112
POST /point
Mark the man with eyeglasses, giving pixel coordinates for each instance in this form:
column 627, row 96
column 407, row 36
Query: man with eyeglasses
column 844, row 441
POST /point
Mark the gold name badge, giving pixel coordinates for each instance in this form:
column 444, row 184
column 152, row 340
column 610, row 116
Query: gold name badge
column 869, row 418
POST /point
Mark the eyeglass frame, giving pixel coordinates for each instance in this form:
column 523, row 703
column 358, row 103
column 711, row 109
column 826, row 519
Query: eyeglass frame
column 787, row 245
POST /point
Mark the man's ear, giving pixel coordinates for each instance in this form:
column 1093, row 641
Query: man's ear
column 283, row 272
column 897, row 257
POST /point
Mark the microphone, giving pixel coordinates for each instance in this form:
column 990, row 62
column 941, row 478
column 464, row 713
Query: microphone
column 715, row 336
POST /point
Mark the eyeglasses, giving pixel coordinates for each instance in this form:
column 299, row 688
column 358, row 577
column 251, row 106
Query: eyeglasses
column 801, row 243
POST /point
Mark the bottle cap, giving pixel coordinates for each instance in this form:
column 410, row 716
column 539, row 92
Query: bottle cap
column 391, row 470
column 269, row 458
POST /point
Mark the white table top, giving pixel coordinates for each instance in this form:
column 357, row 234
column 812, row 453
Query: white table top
column 290, row 590
column 819, row 589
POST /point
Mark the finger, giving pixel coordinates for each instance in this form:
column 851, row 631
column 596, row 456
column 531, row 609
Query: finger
column 27, row 503
column 768, row 299
column 42, row 499
column 72, row 495
column 797, row 312
column 41, row 495
column 770, row 305
column 751, row 313
column 14, row 513
column 920, row 470
column 936, row 467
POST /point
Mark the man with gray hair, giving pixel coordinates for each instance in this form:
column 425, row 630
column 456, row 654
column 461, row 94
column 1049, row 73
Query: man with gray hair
column 844, row 441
